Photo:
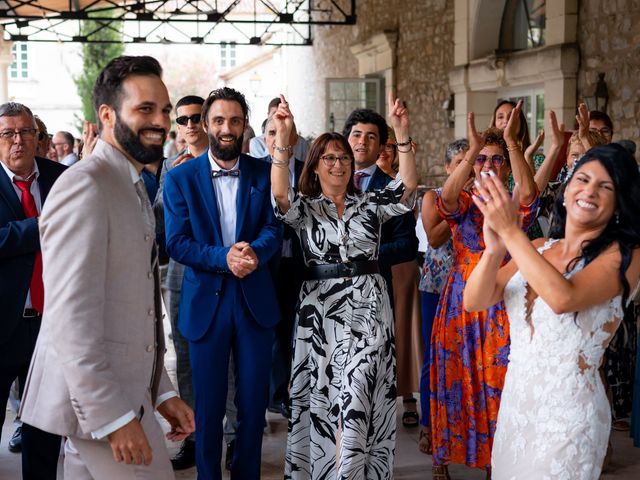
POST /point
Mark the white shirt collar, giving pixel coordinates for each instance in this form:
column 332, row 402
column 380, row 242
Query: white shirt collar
column 135, row 176
column 370, row 169
column 12, row 175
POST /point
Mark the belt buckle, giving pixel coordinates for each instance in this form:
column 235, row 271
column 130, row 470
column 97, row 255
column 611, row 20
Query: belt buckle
column 349, row 269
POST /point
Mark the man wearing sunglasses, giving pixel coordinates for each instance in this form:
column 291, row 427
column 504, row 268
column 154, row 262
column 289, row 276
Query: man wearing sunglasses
column 189, row 127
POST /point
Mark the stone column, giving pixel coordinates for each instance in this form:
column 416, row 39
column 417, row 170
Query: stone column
column 6, row 59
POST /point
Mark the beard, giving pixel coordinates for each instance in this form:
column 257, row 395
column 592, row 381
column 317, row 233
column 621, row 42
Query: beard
column 225, row 153
column 132, row 144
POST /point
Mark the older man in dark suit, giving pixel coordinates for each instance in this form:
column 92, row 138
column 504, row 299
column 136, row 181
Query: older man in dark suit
column 25, row 182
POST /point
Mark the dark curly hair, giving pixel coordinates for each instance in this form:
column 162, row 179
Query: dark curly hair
column 366, row 115
column 494, row 136
column 623, row 227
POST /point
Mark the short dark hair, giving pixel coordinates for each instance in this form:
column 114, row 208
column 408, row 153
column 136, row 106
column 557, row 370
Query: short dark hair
column 309, row 184
column 598, row 115
column 42, row 128
column 274, row 103
column 229, row 94
column 523, row 134
column 366, row 115
column 494, row 136
column 108, row 87
column 189, row 100
column 13, row 109
column 68, row 138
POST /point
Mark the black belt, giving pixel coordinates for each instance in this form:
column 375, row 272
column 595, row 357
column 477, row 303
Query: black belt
column 340, row 270
column 31, row 313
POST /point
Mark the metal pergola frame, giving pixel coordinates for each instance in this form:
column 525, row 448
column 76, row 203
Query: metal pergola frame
column 243, row 22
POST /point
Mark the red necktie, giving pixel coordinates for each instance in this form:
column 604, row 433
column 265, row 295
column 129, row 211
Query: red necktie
column 30, row 210
column 357, row 179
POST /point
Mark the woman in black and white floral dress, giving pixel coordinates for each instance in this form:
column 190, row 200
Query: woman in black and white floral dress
column 342, row 383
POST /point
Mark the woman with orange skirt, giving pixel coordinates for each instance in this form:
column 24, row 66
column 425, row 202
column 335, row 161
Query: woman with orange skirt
column 469, row 351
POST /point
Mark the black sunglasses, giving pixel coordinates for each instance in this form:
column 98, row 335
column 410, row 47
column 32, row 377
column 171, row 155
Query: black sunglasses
column 184, row 119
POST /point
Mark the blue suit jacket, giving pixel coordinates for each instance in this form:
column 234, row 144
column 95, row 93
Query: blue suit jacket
column 194, row 238
column 19, row 242
column 398, row 241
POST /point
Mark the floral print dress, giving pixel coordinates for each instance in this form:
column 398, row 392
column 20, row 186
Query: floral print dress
column 469, row 351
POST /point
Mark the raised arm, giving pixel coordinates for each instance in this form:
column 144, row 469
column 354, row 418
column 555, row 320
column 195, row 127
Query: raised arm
column 522, row 173
column 399, row 119
column 283, row 121
column 460, row 176
column 436, row 228
column 543, row 174
column 591, row 286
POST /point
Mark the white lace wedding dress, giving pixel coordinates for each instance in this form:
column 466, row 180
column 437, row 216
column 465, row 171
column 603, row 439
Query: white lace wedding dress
column 554, row 417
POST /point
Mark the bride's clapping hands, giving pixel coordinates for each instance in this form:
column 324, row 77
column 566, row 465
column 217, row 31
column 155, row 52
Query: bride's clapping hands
column 500, row 209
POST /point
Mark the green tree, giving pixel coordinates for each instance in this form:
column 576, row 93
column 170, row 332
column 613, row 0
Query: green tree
column 95, row 57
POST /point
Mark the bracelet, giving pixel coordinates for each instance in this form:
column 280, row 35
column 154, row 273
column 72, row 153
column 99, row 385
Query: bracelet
column 279, row 162
column 404, row 144
column 281, row 165
column 512, row 148
column 404, row 151
column 288, row 148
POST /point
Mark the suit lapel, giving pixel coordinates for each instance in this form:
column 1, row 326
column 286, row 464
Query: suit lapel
column 375, row 179
column 8, row 194
column 205, row 186
column 45, row 181
column 243, row 190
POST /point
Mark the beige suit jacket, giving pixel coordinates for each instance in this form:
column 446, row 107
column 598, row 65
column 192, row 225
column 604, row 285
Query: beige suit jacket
column 94, row 357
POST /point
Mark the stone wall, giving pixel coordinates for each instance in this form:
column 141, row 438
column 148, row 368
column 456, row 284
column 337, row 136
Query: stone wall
column 424, row 56
column 609, row 40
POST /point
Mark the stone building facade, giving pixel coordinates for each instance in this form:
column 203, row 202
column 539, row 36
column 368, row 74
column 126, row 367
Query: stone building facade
column 429, row 49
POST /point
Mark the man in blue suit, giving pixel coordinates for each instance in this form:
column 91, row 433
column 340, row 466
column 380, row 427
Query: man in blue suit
column 219, row 223
column 25, row 181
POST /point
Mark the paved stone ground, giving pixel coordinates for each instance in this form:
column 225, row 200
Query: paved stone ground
column 410, row 463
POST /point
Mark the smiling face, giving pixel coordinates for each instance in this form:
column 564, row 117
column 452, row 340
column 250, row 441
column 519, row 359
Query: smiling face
column 502, row 115
column 334, row 178
column 490, row 151
column 141, row 123
column 589, row 197
column 364, row 139
column 225, row 128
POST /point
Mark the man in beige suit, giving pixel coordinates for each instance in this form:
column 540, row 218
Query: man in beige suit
column 97, row 372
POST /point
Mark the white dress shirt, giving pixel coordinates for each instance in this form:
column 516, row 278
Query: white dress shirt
column 35, row 191
column 226, row 189
column 364, row 182
column 69, row 160
column 130, row 415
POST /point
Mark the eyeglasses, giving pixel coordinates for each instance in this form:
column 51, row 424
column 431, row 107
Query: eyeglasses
column 604, row 131
column 184, row 119
column 330, row 160
column 25, row 133
column 496, row 160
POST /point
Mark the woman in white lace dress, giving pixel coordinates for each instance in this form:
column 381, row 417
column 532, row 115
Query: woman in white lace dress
column 564, row 299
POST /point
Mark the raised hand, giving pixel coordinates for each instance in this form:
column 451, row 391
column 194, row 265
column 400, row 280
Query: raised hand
column 513, row 125
column 557, row 131
column 476, row 140
column 583, row 126
column 283, row 119
column 533, row 148
column 398, row 117
column 89, row 137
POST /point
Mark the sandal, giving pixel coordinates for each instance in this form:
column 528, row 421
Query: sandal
column 424, row 441
column 410, row 418
column 440, row 472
